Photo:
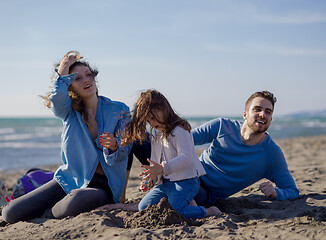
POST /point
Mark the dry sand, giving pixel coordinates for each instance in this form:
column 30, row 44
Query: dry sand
column 247, row 214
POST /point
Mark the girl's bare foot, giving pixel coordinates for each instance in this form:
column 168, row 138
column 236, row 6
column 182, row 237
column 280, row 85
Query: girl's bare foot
column 192, row 203
column 212, row 211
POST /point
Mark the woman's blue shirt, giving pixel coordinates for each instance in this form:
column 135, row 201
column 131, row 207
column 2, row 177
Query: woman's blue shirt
column 80, row 153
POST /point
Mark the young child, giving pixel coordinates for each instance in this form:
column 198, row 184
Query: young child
column 174, row 164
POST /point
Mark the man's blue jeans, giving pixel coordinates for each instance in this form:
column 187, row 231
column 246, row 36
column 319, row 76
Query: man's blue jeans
column 179, row 194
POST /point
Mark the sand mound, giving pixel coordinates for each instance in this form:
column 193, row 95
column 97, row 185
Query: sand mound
column 158, row 216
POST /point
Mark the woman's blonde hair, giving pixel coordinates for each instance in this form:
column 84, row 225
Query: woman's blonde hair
column 77, row 102
column 149, row 102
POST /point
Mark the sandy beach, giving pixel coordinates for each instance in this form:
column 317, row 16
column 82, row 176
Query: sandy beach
column 247, row 214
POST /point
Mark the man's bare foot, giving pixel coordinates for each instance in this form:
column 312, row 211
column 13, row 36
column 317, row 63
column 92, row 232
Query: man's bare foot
column 212, row 211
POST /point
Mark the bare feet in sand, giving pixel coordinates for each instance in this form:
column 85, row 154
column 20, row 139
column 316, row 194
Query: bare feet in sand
column 123, row 206
column 192, row 203
column 212, row 211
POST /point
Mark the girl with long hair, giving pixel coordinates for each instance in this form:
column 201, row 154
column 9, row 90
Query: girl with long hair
column 174, row 164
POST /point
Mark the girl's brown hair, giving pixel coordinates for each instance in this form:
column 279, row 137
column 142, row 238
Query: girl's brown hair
column 149, row 102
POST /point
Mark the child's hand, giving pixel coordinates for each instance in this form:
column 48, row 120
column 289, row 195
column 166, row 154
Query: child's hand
column 153, row 170
column 268, row 189
column 107, row 140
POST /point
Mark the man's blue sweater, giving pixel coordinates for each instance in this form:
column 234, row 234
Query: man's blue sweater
column 231, row 165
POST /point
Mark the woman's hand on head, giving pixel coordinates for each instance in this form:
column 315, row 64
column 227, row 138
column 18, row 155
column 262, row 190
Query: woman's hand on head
column 65, row 64
column 108, row 140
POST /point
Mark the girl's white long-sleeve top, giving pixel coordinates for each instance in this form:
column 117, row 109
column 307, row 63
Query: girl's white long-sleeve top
column 177, row 155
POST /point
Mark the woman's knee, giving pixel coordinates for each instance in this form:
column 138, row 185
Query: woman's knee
column 11, row 213
column 33, row 204
column 71, row 201
column 78, row 201
column 88, row 196
column 6, row 215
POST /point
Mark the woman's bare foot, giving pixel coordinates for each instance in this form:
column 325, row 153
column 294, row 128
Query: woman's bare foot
column 212, row 211
column 123, row 206
column 123, row 197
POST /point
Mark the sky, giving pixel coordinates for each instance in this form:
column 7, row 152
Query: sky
column 207, row 57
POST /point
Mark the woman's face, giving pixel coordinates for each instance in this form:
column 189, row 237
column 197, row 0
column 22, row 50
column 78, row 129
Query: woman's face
column 84, row 84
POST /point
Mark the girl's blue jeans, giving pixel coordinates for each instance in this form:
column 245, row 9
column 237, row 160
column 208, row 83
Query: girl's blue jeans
column 179, row 194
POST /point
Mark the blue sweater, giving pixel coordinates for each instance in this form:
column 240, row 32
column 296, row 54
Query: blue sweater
column 232, row 165
column 80, row 153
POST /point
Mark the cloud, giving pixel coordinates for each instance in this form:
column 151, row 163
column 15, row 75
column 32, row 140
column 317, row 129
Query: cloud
column 269, row 49
column 289, row 51
column 248, row 13
column 225, row 48
column 295, row 18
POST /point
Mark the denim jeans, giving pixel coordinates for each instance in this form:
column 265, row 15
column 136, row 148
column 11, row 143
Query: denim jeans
column 179, row 194
column 202, row 198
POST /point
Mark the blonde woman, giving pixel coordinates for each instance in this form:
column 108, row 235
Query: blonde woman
column 93, row 169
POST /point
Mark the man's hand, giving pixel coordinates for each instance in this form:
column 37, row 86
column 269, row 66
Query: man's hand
column 268, row 189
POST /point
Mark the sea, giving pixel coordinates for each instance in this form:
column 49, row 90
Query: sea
column 35, row 142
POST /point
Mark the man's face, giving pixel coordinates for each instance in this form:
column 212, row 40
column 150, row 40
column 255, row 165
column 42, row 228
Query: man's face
column 259, row 115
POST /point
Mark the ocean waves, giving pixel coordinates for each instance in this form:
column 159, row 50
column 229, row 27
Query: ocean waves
column 35, row 142
column 29, row 142
column 23, row 145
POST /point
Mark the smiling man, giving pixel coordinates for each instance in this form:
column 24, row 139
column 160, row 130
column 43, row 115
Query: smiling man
column 242, row 153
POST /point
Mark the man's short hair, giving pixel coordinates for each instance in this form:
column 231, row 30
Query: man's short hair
column 264, row 94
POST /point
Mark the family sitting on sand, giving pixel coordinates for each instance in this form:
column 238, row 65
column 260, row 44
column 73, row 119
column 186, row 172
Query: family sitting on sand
column 99, row 134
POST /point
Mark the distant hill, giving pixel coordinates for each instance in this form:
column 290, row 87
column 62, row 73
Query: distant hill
column 320, row 113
